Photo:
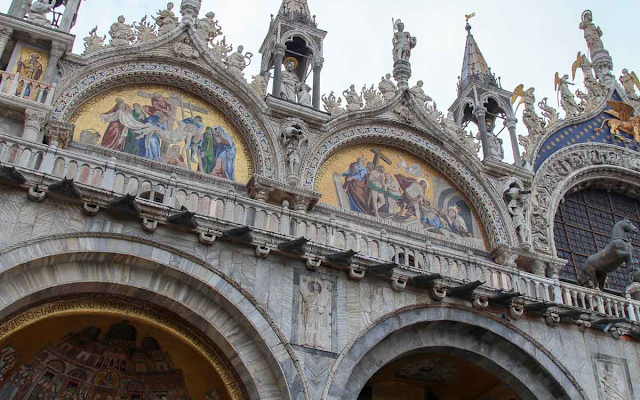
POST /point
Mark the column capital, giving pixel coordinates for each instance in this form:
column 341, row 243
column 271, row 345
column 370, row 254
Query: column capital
column 57, row 50
column 479, row 112
column 318, row 62
column 5, row 32
column 510, row 122
column 279, row 49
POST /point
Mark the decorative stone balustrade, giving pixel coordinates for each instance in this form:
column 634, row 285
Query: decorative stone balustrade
column 220, row 205
column 25, row 88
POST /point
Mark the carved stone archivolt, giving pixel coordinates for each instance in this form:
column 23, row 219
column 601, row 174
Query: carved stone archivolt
column 267, row 154
column 569, row 168
column 471, row 183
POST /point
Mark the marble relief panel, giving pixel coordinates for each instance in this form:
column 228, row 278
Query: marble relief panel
column 315, row 312
column 612, row 378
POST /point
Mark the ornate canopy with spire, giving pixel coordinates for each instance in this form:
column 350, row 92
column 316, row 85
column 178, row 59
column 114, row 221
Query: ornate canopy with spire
column 482, row 100
column 299, row 9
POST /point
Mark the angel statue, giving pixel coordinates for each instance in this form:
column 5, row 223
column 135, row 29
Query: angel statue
column 592, row 33
column 93, row 42
column 237, row 61
column 628, row 81
column 567, row 100
column 534, row 123
column 622, row 120
column 595, row 89
column 403, row 42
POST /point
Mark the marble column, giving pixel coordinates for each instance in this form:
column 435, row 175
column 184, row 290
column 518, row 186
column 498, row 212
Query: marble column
column 278, row 56
column 34, row 122
column 19, row 8
column 5, row 35
column 317, row 68
column 510, row 123
column 57, row 51
column 480, row 114
column 69, row 16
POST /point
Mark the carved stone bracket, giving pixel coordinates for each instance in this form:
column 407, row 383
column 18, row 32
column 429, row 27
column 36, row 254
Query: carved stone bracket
column 59, row 133
column 504, row 256
column 267, row 189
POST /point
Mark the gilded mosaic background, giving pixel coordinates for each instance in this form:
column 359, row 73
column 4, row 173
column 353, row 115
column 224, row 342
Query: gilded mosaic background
column 389, row 183
column 165, row 124
column 103, row 356
column 31, row 64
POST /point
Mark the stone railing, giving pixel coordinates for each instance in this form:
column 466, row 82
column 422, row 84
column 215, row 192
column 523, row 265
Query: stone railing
column 25, row 88
column 227, row 204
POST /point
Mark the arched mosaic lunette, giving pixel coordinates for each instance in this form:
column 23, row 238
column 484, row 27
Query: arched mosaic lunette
column 471, row 184
column 568, row 168
column 215, row 287
column 267, row 157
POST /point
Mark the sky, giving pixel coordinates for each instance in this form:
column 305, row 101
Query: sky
column 523, row 41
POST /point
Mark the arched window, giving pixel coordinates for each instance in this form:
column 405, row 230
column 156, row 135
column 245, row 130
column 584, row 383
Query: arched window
column 583, row 226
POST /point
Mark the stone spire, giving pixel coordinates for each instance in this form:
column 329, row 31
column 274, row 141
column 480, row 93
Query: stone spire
column 297, row 10
column 474, row 66
column 482, row 101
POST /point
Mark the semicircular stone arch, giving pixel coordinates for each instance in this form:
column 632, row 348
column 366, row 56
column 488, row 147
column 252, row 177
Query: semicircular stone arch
column 131, row 266
column 510, row 354
column 571, row 167
column 256, row 132
column 470, row 183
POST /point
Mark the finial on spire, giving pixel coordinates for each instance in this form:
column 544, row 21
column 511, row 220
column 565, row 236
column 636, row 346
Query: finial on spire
column 467, row 17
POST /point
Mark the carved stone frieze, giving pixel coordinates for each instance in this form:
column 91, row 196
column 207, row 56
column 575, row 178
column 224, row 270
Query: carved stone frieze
column 265, row 189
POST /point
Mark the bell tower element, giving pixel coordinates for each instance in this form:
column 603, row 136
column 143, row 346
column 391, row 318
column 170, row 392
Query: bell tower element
column 293, row 48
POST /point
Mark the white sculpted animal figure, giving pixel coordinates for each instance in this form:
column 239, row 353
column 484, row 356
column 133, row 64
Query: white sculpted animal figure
column 403, row 42
column 93, row 42
column 618, row 251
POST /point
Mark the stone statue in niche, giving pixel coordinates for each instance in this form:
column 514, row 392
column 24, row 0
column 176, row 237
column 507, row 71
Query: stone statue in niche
column 618, row 251
column 292, row 139
column 387, row 88
column 121, row 33
column 304, row 95
column 166, row 20
column 290, row 81
column 38, row 12
column 517, row 204
column 494, row 143
column 403, row 42
column 315, row 313
column 237, row 62
column 592, row 33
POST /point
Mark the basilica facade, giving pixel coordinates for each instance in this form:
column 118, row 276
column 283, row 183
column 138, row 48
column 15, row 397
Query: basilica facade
column 173, row 228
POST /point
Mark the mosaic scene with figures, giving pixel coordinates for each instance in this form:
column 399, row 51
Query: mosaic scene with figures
column 165, row 124
column 189, row 211
column 89, row 355
column 392, row 184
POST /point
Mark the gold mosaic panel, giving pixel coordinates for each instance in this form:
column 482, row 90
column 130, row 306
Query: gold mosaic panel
column 130, row 119
column 401, row 188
